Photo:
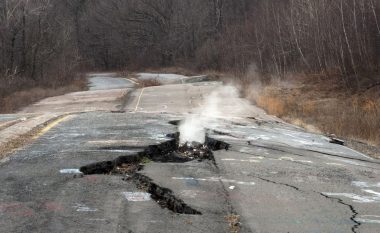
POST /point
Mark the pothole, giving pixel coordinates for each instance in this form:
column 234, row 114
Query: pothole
column 169, row 151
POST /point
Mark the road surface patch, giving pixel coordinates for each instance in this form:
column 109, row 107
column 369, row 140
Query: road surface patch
column 70, row 171
column 375, row 198
column 117, row 143
column 215, row 179
column 335, row 164
column 362, row 184
column 242, row 160
column 52, row 125
column 137, row 196
column 53, row 206
column 295, row 160
column 191, row 193
column 83, row 208
column 16, row 209
column 368, row 219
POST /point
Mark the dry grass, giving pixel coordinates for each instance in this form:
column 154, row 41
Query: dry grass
column 172, row 70
column 218, row 76
column 15, row 101
column 149, row 83
column 141, row 83
column 320, row 106
column 131, row 72
column 126, row 74
column 354, row 118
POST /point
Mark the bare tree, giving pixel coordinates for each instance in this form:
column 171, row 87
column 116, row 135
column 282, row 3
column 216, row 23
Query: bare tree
column 45, row 37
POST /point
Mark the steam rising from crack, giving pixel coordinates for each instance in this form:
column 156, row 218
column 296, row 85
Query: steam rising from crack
column 221, row 103
column 192, row 129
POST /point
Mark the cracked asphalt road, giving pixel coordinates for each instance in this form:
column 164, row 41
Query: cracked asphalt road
column 275, row 176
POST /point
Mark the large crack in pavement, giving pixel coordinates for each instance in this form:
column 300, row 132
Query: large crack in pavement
column 169, row 151
column 340, row 201
column 277, row 183
column 352, row 209
column 163, row 196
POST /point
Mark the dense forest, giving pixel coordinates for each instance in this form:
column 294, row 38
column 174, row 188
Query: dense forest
column 45, row 42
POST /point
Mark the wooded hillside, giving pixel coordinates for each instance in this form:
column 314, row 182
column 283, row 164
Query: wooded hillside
column 44, row 42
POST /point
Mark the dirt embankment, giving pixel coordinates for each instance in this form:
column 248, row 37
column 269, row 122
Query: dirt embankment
column 320, row 104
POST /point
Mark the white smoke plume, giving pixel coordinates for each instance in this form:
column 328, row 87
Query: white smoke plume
column 224, row 102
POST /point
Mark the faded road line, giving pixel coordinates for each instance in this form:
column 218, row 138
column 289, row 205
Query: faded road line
column 132, row 81
column 214, row 179
column 139, row 99
column 51, row 125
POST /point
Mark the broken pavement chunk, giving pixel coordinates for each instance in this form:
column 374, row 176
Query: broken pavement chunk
column 336, row 141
